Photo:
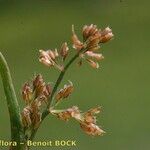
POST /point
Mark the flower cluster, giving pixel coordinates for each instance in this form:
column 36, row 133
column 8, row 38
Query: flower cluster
column 37, row 92
column 86, row 120
column 34, row 94
column 92, row 38
column 52, row 57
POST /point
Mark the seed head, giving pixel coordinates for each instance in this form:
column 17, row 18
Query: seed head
column 34, row 94
column 92, row 38
column 48, row 58
column 86, row 120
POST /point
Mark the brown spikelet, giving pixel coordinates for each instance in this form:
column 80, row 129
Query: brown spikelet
column 64, row 51
column 65, row 92
column 93, row 64
column 77, row 44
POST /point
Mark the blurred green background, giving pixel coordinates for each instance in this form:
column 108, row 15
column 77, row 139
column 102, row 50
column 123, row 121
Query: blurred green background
column 121, row 86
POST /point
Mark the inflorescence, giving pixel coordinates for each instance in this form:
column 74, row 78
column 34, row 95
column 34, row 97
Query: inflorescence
column 37, row 93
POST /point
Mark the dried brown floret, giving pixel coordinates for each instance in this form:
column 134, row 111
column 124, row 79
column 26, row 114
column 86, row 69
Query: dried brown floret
column 64, row 51
column 106, row 35
column 93, row 64
column 26, row 117
column 92, row 129
column 48, row 58
column 77, row 44
column 96, row 56
column 27, row 93
column 65, row 92
column 66, row 114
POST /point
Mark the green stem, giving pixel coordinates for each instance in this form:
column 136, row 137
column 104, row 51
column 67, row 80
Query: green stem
column 60, row 78
column 17, row 134
column 58, row 81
